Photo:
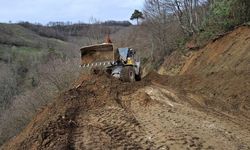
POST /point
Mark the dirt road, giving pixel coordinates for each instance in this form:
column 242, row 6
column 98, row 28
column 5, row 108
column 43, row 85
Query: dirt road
column 154, row 118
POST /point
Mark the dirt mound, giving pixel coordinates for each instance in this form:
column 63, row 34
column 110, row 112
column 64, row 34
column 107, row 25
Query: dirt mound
column 51, row 128
column 173, row 64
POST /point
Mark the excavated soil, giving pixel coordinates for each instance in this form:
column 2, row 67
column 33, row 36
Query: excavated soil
column 219, row 73
column 204, row 104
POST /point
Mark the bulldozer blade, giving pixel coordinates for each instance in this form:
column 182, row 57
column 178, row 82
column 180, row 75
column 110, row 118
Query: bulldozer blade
column 98, row 64
column 93, row 54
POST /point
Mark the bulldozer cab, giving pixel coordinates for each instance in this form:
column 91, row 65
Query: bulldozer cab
column 126, row 55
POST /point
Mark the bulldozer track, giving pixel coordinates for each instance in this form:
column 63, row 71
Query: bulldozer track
column 112, row 124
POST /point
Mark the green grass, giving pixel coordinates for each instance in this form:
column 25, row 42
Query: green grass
column 12, row 34
column 26, row 49
column 20, row 43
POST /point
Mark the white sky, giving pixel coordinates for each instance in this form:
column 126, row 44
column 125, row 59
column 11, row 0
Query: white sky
column 43, row 11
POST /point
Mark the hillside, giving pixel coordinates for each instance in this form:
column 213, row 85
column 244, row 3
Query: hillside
column 22, row 51
column 219, row 72
column 17, row 37
column 28, row 64
column 200, row 102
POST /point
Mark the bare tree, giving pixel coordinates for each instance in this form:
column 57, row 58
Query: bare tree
column 162, row 26
column 55, row 76
column 59, row 73
column 8, row 85
column 97, row 31
column 190, row 13
column 24, row 106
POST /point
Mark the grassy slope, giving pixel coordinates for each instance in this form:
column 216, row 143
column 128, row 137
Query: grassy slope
column 22, row 47
column 15, row 37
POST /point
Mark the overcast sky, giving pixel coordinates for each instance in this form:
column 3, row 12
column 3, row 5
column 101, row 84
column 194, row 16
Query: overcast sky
column 43, row 11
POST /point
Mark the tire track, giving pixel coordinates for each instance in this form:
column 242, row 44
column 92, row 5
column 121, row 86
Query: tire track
column 109, row 128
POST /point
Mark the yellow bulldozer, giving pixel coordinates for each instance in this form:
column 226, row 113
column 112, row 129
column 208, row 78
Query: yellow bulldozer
column 122, row 63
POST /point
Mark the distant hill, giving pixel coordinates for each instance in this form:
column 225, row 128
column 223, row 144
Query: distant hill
column 16, row 37
column 21, row 51
column 62, row 30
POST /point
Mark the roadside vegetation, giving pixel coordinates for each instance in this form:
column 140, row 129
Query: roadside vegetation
column 184, row 25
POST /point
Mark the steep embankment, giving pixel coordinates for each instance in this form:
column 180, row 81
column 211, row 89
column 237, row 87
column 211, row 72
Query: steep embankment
column 219, row 72
column 225, row 54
